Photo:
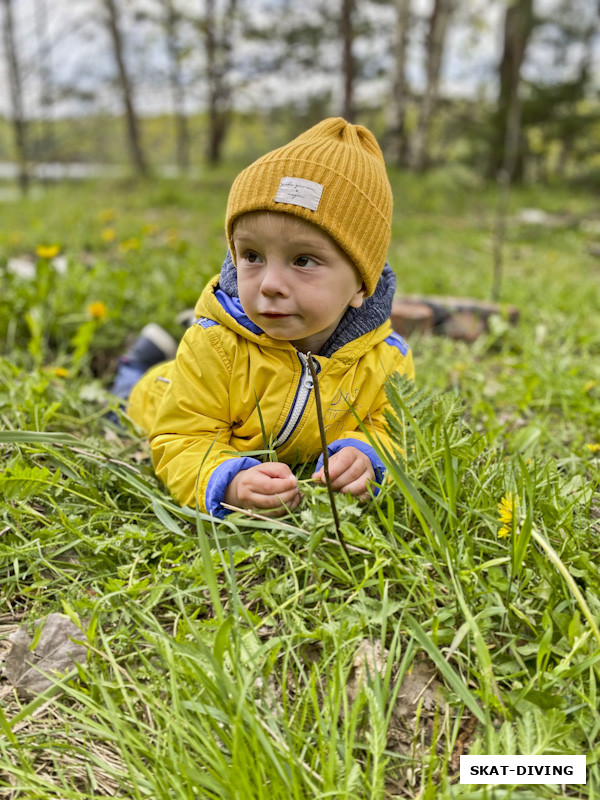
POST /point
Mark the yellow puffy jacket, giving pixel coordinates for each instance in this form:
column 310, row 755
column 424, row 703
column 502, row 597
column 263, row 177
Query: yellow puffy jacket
column 206, row 410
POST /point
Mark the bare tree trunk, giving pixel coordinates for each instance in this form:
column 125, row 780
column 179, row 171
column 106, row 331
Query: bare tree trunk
column 135, row 145
column 16, row 96
column 504, row 178
column 578, row 92
column 397, row 115
column 438, row 27
column 177, row 89
column 218, row 44
column 347, row 33
column 215, row 133
column 45, row 77
column 518, row 25
column 505, row 156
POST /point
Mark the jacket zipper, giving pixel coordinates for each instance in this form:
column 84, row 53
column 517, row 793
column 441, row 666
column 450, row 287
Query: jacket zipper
column 300, row 400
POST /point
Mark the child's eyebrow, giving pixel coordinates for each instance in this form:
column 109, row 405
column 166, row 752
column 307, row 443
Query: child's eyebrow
column 307, row 245
column 295, row 244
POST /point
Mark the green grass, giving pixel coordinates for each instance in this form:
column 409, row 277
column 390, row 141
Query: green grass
column 224, row 658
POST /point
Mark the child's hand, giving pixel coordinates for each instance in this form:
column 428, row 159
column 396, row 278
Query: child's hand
column 349, row 470
column 265, row 487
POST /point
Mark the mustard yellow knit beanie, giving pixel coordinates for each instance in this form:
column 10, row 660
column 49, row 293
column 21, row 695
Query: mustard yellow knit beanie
column 332, row 175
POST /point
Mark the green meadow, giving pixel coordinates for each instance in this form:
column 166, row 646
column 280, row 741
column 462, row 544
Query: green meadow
column 253, row 658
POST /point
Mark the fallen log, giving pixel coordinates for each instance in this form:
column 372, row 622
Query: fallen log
column 463, row 318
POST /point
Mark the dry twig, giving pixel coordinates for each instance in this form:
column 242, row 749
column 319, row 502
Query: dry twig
column 336, row 519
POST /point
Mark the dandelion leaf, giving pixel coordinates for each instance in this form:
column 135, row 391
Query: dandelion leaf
column 21, row 481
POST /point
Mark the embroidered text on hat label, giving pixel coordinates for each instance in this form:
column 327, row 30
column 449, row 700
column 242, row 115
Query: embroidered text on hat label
column 299, row 192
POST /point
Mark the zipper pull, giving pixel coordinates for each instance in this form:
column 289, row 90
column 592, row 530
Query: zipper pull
column 307, row 380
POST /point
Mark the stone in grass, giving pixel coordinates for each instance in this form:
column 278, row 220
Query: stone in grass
column 55, row 653
column 418, row 702
column 369, row 660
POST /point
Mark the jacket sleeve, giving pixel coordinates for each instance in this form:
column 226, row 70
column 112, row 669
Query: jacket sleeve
column 190, row 437
column 374, row 421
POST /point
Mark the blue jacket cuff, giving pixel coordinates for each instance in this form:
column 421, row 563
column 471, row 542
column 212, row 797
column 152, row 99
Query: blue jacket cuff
column 220, row 480
column 376, row 462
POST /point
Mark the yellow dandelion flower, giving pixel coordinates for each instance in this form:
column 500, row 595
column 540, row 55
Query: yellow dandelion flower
column 130, row 244
column 108, row 234
column 593, row 447
column 507, row 508
column 59, row 372
column 47, row 251
column 97, row 310
column 108, row 215
column 589, row 386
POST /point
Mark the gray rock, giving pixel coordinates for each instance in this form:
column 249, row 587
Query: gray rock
column 55, row 653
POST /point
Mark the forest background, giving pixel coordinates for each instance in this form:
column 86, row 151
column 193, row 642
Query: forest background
column 104, row 82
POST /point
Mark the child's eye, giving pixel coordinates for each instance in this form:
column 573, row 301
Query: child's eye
column 305, row 261
column 251, row 257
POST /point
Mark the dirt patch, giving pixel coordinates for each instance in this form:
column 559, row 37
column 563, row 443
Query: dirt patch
column 420, row 719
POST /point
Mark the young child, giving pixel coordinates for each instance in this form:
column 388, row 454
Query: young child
column 308, row 227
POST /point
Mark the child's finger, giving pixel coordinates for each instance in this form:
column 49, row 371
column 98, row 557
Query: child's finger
column 345, row 466
column 267, row 485
column 357, row 488
column 357, row 470
column 275, row 505
column 274, row 500
column 339, row 479
column 275, row 469
column 353, row 473
column 338, row 464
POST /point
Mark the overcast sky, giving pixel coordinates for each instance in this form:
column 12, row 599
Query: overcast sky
column 79, row 55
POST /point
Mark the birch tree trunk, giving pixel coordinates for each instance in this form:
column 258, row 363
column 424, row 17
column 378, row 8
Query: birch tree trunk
column 348, row 71
column 438, row 27
column 398, row 101
column 133, row 134
column 16, row 96
column 177, row 89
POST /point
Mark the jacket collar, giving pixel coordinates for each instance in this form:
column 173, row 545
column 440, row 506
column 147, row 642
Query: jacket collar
column 374, row 311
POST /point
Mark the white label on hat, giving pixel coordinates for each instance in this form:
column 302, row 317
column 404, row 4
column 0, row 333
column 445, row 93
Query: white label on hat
column 299, row 192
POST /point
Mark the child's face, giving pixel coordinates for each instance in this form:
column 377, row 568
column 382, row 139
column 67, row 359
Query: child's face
column 294, row 282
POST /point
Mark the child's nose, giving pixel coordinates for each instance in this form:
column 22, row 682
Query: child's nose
column 273, row 280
